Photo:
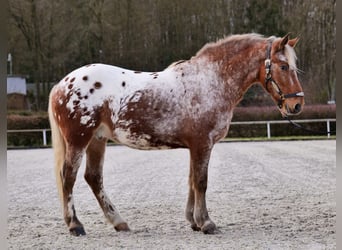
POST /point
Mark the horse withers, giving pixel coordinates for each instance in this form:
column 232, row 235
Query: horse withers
column 188, row 105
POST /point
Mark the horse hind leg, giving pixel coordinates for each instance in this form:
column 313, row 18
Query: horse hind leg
column 68, row 175
column 67, row 162
column 94, row 177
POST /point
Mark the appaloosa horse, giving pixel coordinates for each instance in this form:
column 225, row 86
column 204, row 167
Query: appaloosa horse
column 188, row 105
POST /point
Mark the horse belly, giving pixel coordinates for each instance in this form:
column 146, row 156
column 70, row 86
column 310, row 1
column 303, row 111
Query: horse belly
column 140, row 140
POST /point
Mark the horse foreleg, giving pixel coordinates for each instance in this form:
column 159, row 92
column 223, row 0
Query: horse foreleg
column 189, row 211
column 68, row 174
column 199, row 178
column 94, row 177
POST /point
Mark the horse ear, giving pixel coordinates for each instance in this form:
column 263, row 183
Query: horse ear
column 283, row 42
column 293, row 42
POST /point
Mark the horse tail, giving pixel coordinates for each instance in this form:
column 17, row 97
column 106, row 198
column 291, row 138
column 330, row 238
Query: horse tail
column 58, row 145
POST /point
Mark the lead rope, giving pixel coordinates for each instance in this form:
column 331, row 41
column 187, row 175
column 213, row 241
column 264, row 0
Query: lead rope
column 307, row 129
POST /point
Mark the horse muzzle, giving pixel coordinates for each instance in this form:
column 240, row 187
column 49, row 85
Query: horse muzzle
column 291, row 108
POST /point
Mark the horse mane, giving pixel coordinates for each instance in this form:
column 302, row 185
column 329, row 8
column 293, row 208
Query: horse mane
column 242, row 40
column 233, row 43
column 176, row 63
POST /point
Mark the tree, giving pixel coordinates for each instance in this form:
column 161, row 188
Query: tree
column 49, row 39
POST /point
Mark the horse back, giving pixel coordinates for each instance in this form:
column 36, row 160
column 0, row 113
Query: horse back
column 140, row 109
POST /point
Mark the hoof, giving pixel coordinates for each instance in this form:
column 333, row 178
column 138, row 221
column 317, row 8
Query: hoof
column 209, row 228
column 77, row 231
column 122, row 227
column 195, row 227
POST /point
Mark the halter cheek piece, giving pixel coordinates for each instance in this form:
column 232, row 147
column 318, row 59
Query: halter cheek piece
column 268, row 78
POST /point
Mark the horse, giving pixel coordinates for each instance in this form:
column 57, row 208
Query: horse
column 187, row 105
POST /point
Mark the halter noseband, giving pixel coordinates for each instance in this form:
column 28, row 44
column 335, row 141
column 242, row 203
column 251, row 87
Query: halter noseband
column 268, row 78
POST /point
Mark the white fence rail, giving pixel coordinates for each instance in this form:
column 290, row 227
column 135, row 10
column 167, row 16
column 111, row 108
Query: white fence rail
column 267, row 123
column 43, row 131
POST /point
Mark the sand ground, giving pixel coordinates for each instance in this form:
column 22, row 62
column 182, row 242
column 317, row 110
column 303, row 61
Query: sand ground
column 261, row 195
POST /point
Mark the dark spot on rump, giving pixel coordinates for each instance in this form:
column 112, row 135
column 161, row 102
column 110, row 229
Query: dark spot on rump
column 137, row 72
column 72, row 79
column 155, row 77
column 85, row 97
column 123, row 72
column 91, row 91
column 123, row 84
column 85, row 78
column 76, row 102
column 111, row 208
column 66, row 79
column 78, row 93
column 85, row 109
column 70, row 86
column 97, row 85
column 182, row 74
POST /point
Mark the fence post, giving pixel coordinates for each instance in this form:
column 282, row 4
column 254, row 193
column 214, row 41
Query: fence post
column 268, row 130
column 44, row 137
column 328, row 128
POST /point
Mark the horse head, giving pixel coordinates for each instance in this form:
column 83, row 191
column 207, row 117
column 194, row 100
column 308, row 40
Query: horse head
column 279, row 75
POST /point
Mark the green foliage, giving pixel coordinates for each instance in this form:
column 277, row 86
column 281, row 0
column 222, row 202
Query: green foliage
column 268, row 113
column 26, row 120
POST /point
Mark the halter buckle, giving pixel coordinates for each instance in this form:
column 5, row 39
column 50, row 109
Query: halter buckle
column 268, row 63
column 268, row 67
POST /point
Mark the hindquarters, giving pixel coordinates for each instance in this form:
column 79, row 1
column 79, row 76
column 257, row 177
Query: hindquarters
column 69, row 140
column 72, row 138
column 71, row 130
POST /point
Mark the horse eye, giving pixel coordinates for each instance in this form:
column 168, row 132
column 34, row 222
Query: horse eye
column 284, row 67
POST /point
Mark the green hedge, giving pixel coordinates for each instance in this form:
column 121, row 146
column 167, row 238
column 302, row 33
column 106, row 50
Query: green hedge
column 27, row 121
column 40, row 121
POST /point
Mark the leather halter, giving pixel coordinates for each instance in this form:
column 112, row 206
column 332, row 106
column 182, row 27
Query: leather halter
column 268, row 78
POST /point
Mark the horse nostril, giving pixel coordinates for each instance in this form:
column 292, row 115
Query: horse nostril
column 297, row 108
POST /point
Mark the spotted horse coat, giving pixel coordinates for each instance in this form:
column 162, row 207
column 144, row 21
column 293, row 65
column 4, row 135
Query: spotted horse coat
column 188, row 105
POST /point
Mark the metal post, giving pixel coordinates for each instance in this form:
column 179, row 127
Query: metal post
column 9, row 59
column 268, row 130
column 328, row 128
column 44, row 137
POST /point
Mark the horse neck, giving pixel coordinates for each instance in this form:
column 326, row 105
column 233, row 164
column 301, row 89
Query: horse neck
column 238, row 69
